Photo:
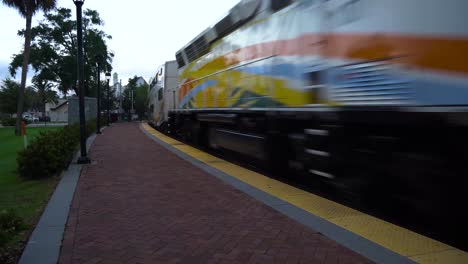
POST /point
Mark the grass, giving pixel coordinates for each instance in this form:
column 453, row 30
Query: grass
column 26, row 197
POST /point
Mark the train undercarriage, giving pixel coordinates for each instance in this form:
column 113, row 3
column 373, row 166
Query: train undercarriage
column 413, row 160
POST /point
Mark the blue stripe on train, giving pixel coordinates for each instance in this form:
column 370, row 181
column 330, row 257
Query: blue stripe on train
column 287, row 71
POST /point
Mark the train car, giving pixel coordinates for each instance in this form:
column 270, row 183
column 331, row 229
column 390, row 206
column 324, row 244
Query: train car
column 367, row 96
column 162, row 94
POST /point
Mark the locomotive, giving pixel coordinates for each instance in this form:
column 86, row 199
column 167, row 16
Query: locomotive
column 370, row 97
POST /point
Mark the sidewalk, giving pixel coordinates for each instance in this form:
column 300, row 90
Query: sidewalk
column 140, row 203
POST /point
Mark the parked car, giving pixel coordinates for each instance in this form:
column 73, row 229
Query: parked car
column 44, row 119
column 31, row 118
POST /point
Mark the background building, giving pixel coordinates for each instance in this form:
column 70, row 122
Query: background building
column 57, row 112
column 141, row 81
column 117, row 85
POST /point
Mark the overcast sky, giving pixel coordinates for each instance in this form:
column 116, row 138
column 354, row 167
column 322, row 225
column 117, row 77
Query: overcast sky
column 145, row 33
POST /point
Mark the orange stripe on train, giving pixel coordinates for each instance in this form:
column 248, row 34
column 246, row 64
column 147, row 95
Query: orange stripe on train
column 425, row 52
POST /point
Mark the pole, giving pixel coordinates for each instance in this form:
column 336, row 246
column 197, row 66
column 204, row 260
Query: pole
column 23, row 132
column 98, row 119
column 131, row 114
column 120, row 99
column 132, row 99
column 108, row 103
column 43, row 113
column 84, row 157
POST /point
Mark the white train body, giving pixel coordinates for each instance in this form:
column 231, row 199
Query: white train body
column 163, row 88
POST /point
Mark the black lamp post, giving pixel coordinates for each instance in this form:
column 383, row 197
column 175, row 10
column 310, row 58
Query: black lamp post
column 108, row 76
column 84, row 157
column 98, row 118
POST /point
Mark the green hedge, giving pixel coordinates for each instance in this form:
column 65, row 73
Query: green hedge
column 50, row 152
column 10, row 121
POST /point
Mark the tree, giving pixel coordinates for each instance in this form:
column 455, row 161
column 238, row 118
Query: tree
column 127, row 94
column 112, row 97
column 44, row 93
column 54, row 48
column 127, row 99
column 141, row 100
column 31, row 101
column 9, row 96
column 140, row 97
column 27, row 9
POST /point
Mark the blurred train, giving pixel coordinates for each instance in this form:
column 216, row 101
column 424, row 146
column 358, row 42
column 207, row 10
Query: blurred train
column 370, row 97
column 163, row 87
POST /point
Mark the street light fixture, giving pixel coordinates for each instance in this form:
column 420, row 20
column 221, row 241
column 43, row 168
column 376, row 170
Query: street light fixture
column 79, row 25
column 108, row 76
column 98, row 118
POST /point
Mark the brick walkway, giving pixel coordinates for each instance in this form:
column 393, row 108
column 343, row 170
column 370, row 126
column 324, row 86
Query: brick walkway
column 139, row 203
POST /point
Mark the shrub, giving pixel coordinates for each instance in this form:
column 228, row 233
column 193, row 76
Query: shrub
column 51, row 152
column 11, row 121
column 11, row 225
column 8, row 121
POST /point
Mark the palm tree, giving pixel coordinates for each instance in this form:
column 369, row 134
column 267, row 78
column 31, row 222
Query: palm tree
column 27, row 9
column 44, row 93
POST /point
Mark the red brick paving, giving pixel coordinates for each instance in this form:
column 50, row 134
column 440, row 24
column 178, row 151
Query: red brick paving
column 139, row 203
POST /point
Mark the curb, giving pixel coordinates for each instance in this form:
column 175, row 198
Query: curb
column 45, row 242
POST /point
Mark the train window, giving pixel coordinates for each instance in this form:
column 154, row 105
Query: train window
column 277, row 5
column 191, row 52
column 224, row 26
column 347, row 13
column 160, row 94
column 180, row 60
column 201, row 46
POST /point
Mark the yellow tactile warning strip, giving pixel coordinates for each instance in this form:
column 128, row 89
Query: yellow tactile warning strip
column 419, row 248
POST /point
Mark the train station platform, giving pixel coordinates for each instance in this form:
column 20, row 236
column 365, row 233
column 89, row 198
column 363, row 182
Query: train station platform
column 148, row 198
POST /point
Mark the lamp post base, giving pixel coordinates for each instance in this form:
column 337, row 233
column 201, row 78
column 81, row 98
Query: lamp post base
column 83, row 160
column 99, row 132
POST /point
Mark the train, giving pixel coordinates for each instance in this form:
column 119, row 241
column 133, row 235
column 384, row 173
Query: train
column 369, row 97
column 161, row 94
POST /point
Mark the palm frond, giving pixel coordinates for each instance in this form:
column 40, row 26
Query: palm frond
column 46, row 5
column 20, row 5
column 30, row 6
